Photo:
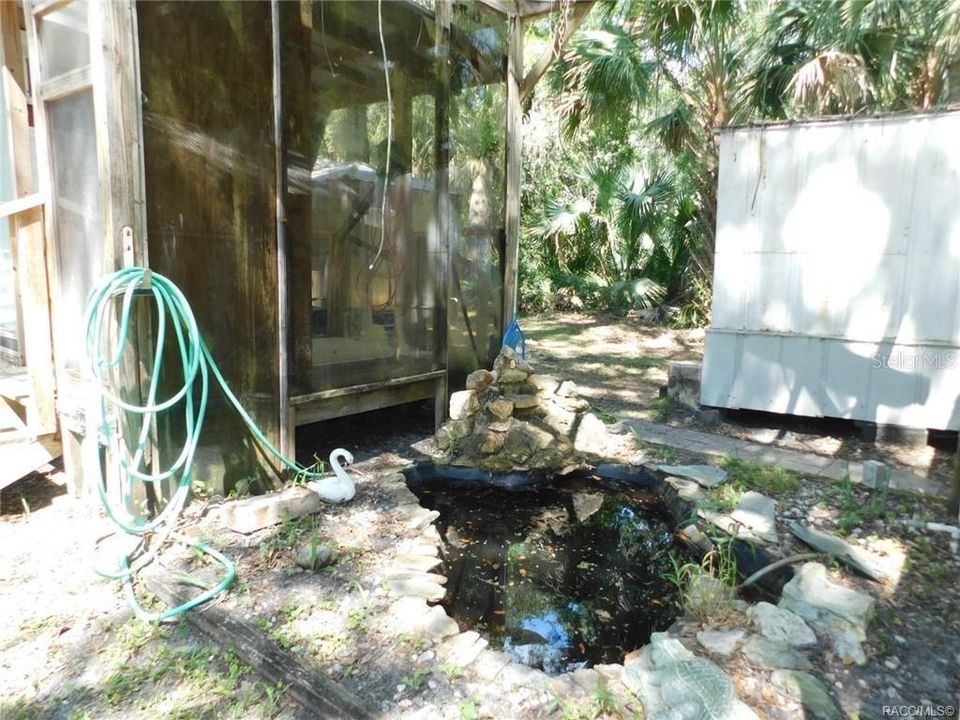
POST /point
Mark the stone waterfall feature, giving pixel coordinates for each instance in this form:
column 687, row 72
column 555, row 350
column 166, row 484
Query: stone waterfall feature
column 512, row 418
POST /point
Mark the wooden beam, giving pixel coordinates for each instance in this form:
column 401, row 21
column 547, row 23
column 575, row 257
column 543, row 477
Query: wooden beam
column 15, row 207
column 536, row 8
column 313, row 691
column 572, row 20
column 388, row 396
column 33, row 295
column 514, row 139
column 431, row 376
column 11, row 43
column 18, row 141
column 68, row 83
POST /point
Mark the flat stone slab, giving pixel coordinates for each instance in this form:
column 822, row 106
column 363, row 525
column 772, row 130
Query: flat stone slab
column 861, row 560
column 489, row 664
column 705, row 475
column 423, row 563
column 461, row 650
column 781, row 625
column 687, row 489
column 812, row 693
column 721, row 642
column 759, row 513
column 774, row 655
column 417, row 587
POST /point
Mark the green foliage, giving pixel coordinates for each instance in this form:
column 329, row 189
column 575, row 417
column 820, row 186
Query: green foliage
column 621, row 150
column 707, row 588
column 768, row 479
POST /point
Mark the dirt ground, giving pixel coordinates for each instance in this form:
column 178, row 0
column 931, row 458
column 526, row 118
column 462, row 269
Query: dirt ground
column 620, row 365
column 70, row 648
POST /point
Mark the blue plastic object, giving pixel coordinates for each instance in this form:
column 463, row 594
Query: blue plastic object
column 514, row 339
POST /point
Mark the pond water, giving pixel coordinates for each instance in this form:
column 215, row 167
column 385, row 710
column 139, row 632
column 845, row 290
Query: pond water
column 561, row 575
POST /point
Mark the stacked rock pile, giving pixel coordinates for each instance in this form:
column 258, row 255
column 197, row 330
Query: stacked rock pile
column 512, row 418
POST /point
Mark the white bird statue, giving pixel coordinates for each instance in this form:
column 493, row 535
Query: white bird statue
column 340, row 487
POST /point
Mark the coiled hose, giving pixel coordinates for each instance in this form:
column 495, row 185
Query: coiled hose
column 172, row 311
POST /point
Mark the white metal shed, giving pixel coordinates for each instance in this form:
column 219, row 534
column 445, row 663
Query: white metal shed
column 837, row 275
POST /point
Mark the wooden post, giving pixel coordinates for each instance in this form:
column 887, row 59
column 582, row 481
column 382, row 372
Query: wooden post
column 11, row 46
column 300, row 147
column 444, row 13
column 514, row 158
column 286, row 431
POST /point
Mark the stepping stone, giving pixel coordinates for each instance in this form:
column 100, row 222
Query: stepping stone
column 858, row 558
column 809, row 691
column 706, row 475
column 781, row 625
column 721, row 642
column 774, row 655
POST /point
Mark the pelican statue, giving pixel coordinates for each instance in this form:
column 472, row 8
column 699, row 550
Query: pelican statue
column 340, row 487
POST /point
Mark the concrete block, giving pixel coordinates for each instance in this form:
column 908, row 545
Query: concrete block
column 255, row 513
column 683, row 383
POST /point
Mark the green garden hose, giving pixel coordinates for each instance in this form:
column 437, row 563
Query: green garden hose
column 172, row 311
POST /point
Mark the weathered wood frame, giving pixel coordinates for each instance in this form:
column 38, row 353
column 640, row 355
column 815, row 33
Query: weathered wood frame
column 113, row 78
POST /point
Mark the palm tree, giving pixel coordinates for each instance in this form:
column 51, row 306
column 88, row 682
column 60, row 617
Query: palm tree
column 687, row 58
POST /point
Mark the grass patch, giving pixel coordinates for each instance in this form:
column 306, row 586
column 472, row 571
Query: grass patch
column 707, row 589
column 768, row 479
column 153, row 671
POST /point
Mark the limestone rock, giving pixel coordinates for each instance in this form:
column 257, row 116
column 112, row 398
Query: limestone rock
column 687, row 489
column 773, row 654
column 544, row 383
column 856, row 557
column 311, row 556
column 591, row 438
column 452, row 432
column 568, row 389
column 758, row 513
column 479, row 380
column 721, row 642
column 500, row 425
column 524, row 402
column 501, row 408
column 782, row 625
column 809, row 691
column 523, row 440
column 586, row 504
column 463, row 404
column 493, row 442
column 559, row 419
column 512, row 375
column 706, row 475
column 840, row 613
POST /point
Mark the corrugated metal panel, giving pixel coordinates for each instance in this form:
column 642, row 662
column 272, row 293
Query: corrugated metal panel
column 837, row 276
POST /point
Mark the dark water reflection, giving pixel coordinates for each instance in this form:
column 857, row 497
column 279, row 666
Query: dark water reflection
column 560, row 576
